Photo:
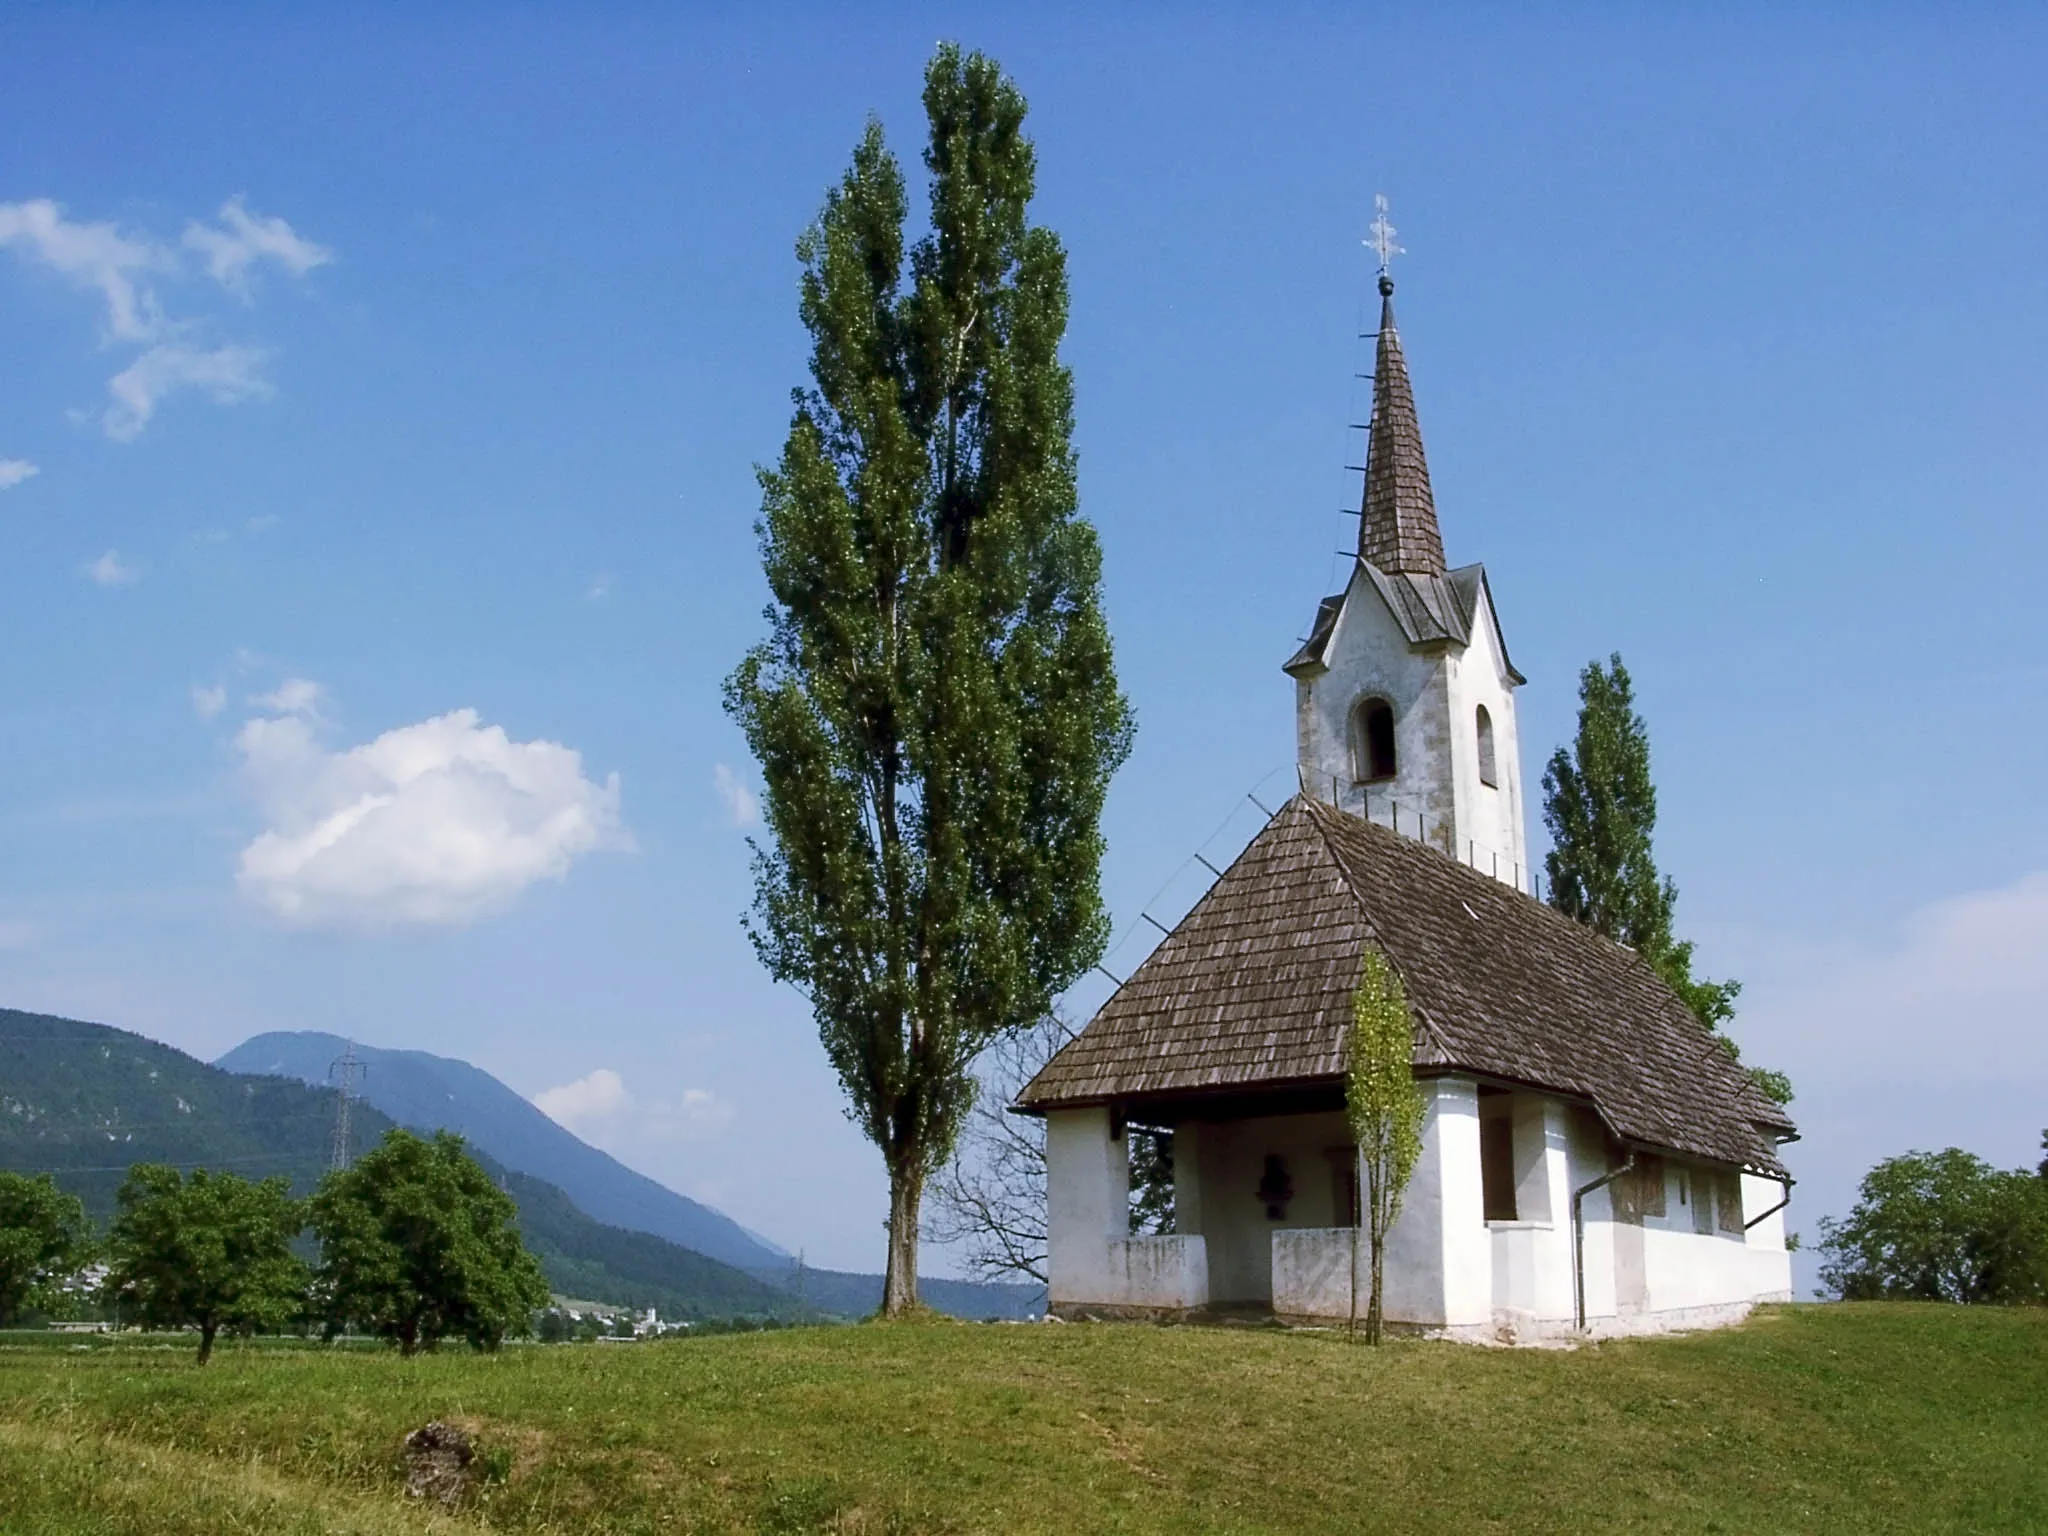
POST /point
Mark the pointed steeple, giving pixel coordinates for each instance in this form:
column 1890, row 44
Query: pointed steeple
column 1397, row 531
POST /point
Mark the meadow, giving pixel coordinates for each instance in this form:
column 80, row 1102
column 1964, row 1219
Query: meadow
column 1857, row 1417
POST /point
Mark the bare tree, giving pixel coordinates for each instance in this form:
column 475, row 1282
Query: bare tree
column 991, row 1196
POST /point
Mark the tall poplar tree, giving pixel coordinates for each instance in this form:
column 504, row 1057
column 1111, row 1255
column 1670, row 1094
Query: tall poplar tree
column 1601, row 808
column 935, row 711
column 1384, row 1111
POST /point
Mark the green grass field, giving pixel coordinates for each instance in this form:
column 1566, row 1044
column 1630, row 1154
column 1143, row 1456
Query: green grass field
column 1848, row 1418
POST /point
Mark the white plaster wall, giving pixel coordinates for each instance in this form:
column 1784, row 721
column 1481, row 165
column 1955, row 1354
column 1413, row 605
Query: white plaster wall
column 1435, row 695
column 1091, row 1260
column 1087, row 1196
column 1467, row 1246
column 1759, row 1195
column 1532, row 1257
column 1367, row 653
column 1313, row 1274
column 1489, row 817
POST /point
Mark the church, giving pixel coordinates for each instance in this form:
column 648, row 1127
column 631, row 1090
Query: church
column 1594, row 1162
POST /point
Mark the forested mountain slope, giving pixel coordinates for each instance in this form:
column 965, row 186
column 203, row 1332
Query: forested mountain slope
column 429, row 1092
column 85, row 1101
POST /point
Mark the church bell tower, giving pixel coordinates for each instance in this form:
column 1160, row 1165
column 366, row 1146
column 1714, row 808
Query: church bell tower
column 1404, row 693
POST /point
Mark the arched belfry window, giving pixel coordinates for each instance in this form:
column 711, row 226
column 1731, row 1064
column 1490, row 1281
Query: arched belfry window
column 1372, row 741
column 1487, row 775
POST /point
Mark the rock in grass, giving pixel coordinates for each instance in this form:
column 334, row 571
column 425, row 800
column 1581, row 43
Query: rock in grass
column 437, row 1463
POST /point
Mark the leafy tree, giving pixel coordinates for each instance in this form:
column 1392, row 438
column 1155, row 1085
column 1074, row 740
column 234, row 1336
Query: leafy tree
column 1384, row 1113
column 1601, row 808
column 44, row 1240
column 935, row 710
column 1941, row 1226
column 417, row 1245
column 205, row 1250
column 1151, row 1179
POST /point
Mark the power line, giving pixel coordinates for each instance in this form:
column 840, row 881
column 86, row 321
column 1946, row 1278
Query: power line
column 349, row 1072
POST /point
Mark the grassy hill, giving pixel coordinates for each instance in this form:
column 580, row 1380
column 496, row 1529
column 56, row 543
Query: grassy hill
column 85, row 1101
column 1847, row 1418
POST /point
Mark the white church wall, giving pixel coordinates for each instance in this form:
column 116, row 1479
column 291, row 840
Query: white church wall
column 1489, row 822
column 1087, row 1186
column 1092, row 1261
column 1758, row 1196
column 1368, row 654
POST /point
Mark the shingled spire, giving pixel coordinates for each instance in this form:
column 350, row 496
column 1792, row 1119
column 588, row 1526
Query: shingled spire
column 1398, row 531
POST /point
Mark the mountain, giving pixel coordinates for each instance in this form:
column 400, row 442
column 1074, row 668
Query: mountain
column 85, row 1101
column 429, row 1092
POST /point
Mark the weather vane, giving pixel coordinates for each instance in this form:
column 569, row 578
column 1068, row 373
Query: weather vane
column 1382, row 241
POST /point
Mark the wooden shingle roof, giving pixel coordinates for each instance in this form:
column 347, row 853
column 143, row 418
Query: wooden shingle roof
column 1397, row 529
column 1253, row 991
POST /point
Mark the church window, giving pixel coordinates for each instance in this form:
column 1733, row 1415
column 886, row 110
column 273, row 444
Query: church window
column 1497, row 1167
column 1372, row 741
column 1728, row 1203
column 1487, row 774
column 1343, row 1185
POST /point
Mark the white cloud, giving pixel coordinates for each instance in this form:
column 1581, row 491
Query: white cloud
column 741, row 806
column 110, row 570
column 1933, row 1038
column 244, row 239
column 434, row 823
column 93, row 256
column 227, row 374
column 208, row 702
column 14, row 471
column 176, row 353
column 599, row 586
column 599, row 1108
column 294, row 696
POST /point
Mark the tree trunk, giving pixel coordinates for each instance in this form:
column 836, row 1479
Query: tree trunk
column 409, row 1337
column 206, row 1332
column 899, row 1285
column 1374, row 1313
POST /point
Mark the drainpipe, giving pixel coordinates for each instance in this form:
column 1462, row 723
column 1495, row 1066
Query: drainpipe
column 1767, row 1215
column 1579, row 1233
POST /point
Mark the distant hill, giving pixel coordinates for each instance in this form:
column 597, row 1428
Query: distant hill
column 430, row 1092
column 85, row 1101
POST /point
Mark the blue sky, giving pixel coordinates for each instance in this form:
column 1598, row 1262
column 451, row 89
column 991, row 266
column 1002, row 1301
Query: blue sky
column 380, row 364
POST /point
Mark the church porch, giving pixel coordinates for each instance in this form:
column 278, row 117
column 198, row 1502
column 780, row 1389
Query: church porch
column 1265, row 1198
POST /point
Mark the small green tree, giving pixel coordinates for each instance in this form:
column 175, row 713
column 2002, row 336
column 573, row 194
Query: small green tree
column 206, row 1250
column 1384, row 1112
column 417, row 1245
column 44, row 1241
column 1941, row 1226
column 935, row 709
column 1601, row 808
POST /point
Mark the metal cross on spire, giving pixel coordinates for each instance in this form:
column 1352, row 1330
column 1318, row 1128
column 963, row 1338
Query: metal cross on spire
column 1381, row 240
